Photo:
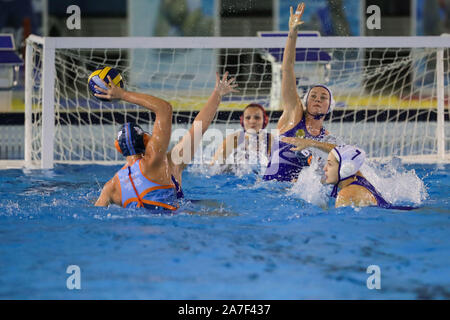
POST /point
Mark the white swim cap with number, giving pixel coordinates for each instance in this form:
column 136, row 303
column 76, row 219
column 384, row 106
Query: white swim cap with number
column 350, row 159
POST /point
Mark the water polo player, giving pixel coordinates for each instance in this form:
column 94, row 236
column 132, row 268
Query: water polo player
column 350, row 186
column 145, row 180
column 299, row 118
column 250, row 144
column 151, row 178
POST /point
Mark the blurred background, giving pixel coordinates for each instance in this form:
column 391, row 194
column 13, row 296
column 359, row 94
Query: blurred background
column 211, row 18
column 214, row 18
column 220, row 17
column 226, row 18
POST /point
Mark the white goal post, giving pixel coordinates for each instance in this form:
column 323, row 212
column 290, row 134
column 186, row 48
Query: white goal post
column 392, row 93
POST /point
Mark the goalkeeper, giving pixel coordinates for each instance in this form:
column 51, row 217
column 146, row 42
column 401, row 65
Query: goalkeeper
column 251, row 141
column 151, row 177
column 301, row 119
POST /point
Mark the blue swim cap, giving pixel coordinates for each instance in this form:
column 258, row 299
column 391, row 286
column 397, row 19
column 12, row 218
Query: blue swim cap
column 131, row 139
column 350, row 159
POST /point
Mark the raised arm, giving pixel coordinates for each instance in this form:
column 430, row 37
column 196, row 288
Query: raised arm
column 227, row 146
column 202, row 121
column 157, row 147
column 291, row 103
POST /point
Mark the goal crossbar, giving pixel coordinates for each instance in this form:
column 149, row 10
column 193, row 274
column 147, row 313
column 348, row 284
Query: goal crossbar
column 239, row 42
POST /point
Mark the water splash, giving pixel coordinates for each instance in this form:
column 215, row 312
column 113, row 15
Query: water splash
column 397, row 184
column 308, row 186
column 391, row 179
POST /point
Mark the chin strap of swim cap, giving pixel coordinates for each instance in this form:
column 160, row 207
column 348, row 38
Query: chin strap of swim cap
column 317, row 116
column 334, row 191
column 335, row 187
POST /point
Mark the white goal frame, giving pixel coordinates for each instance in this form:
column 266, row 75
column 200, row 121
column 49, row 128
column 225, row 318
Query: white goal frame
column 50, row 44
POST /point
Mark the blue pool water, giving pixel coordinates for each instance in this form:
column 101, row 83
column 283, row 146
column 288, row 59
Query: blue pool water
column 245, row 240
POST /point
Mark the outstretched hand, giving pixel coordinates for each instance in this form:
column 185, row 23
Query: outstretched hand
column 295, row 20
column 225, row 86
column 113, row 93
column 299, row 143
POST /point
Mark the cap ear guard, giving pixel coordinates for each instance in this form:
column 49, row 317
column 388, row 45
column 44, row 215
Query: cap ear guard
column 116, row 144
column 131, row 139
column 146, row 141
column 347, row 170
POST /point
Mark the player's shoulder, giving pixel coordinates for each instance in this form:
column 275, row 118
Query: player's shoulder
column 110, row 188
column 113, row 183
column 356, row 194
column 351, row 190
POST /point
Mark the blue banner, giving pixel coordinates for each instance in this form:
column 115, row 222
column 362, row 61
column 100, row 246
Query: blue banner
column 318, row 16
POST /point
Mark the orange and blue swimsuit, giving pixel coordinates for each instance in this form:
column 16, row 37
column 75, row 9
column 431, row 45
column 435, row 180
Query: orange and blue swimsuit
column 140, row 191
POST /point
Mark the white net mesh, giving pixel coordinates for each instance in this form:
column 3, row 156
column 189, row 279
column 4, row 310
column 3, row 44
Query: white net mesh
column 385, row 97
column 36, row 102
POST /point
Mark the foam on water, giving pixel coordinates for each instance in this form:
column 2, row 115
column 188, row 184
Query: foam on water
column 308, row 186
column 391, row 179
column 394, row 182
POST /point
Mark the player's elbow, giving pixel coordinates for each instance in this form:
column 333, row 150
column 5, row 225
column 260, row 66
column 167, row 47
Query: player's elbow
column 158, row 105
column 165, row 106
column 168, row 106
column 168, row 109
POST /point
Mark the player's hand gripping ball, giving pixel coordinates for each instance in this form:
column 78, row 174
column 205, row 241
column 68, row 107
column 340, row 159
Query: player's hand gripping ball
column 96, row 77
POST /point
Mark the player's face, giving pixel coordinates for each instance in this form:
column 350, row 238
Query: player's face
column 253, row 119
column 318, row 100
column 331, row 170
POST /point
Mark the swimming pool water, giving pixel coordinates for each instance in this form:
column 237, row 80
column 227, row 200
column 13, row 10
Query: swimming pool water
column 245, row 240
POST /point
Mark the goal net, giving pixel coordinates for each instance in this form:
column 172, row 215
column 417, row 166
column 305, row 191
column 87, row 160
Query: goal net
column 391, row 93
